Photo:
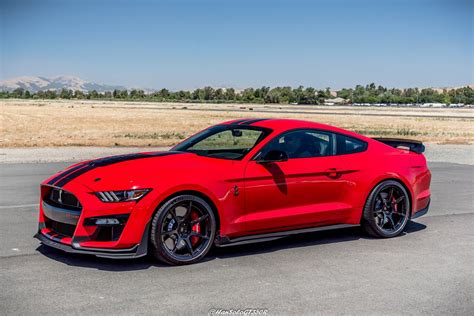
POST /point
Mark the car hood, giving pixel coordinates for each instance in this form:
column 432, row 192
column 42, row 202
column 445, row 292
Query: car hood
column 125, row 171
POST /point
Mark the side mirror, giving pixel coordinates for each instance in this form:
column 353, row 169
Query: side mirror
column 237, row 133
column 274, row 156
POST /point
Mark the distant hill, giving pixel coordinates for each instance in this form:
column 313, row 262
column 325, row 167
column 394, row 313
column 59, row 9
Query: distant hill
column 37, row 83
column 34, row 84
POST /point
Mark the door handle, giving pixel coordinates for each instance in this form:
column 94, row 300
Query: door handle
column 332, row 172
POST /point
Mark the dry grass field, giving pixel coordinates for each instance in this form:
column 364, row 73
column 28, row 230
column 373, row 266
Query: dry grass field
column 42, row 123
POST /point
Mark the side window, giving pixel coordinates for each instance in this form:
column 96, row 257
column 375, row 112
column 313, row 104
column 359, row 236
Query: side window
column 229, row 139
column 349, row 145
column 303, row 144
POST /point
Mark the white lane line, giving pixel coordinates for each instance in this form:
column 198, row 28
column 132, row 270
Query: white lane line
column 17, row 206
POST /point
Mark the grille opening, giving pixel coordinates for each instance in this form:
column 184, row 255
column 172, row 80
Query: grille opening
column 64, row 229
column 60, row 198
column 110, row 233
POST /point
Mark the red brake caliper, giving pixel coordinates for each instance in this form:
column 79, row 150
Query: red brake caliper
column 196, row 228
column 394, row 205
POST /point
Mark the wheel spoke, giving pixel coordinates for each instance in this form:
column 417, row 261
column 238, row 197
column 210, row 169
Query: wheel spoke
column 399, row 214
column 170, row 232
column 382, row 220
column 188, row 245
column 392, row 222
column 199, row 220
column 377, row 212
column 196, row 234
column 172, row 212
column 399, row 199
column 188, row 211
column 390, row 195
column 175, row 245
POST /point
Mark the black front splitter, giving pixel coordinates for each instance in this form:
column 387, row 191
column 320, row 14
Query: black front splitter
column 136, row 251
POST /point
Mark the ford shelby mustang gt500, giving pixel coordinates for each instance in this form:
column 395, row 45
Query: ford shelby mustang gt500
column 240, row 181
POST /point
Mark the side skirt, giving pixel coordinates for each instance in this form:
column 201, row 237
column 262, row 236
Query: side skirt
column 224, row 241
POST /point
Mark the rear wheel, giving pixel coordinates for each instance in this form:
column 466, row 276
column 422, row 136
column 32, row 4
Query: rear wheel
column 183, row 230
column 387, row 210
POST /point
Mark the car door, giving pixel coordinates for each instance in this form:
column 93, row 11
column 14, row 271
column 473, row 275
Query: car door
column 306, row 190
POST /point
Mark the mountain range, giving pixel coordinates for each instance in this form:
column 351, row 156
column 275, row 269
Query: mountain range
column 36, row 83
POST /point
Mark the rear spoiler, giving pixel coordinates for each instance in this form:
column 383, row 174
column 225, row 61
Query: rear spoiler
column 412, row 145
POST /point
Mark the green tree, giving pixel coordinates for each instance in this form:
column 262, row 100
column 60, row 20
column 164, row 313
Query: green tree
column 65, row 94
column 18, row 93
column 207, row 94
column 219, row 94
column 78, row 94
column 229, row 94
column 248, row 95
column 93, row 94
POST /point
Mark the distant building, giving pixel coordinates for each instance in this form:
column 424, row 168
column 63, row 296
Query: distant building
column 432, row 105
column 336, row 101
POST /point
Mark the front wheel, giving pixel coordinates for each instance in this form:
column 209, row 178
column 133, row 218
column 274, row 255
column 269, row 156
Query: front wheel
column 183, row 230
column 387, row 210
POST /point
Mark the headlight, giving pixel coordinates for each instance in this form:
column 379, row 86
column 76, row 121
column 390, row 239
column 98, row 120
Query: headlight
column 121, row 196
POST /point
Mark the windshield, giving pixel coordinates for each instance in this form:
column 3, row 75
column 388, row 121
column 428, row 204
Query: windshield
column 224, row 141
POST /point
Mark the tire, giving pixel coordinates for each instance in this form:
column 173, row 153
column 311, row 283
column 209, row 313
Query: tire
column 182, row 230
column 387, row 210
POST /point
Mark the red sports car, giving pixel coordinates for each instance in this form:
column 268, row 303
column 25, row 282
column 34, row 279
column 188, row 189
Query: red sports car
column 240, row 181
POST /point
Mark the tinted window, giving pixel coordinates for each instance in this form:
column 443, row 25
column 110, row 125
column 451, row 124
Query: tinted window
column 303, row 144
column 349, row 145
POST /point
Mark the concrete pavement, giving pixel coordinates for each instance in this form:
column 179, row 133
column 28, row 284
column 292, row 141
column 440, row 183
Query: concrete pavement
column 428, row 270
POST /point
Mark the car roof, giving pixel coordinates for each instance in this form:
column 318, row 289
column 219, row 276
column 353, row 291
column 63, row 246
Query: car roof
column 280, row 125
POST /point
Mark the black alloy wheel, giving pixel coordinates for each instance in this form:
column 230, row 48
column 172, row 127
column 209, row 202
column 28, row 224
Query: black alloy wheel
column 183, row 230
column 387, row 210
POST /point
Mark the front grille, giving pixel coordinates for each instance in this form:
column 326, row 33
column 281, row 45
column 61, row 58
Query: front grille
column 65, row 199
column 61, row 211
column 64, row 229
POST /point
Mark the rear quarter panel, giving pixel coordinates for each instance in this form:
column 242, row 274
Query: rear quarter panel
column 407, row 167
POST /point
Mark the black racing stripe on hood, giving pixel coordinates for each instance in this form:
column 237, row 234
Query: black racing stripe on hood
column 102, row 162
column 73, row 175
column 249, row 122
column 64, row 173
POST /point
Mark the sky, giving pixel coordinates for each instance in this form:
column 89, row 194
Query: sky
column 190, row 44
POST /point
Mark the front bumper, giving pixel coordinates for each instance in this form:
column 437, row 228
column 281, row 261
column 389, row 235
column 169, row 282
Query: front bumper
column 75, row 229
column 136, row 251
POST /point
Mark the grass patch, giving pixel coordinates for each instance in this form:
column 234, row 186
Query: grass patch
column 167, row 135
column 404, row 131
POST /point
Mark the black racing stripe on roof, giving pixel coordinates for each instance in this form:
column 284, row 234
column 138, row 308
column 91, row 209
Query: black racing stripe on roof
column 102, row 162
column 243, row 121
column 64, row 173
column 249, row 122
column 238, row 121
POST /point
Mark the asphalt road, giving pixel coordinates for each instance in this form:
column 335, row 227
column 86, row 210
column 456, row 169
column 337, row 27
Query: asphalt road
column 428, row 270
column 290, row 110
